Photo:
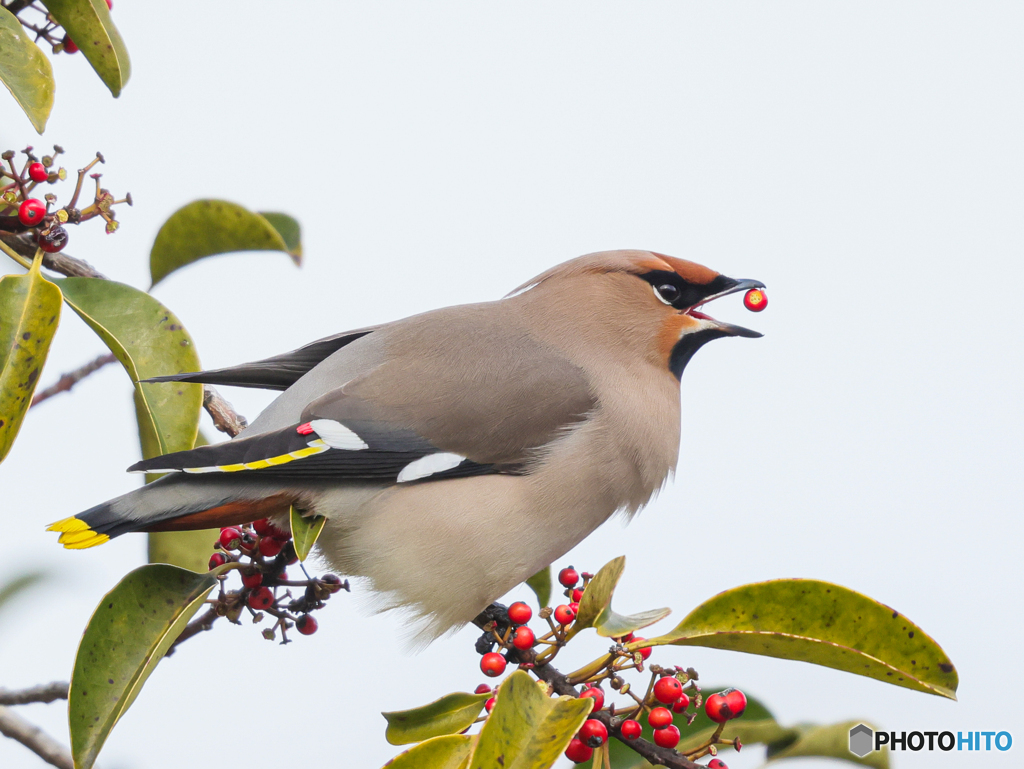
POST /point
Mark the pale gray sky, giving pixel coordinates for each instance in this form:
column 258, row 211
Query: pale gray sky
column 864, row 160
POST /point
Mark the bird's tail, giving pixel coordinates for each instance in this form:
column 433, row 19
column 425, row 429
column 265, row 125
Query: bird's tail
column 173, row 503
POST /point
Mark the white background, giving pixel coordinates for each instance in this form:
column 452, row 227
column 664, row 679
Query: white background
column 864, row 160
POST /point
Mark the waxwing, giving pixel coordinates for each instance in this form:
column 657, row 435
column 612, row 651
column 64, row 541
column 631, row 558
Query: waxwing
column 457, row 452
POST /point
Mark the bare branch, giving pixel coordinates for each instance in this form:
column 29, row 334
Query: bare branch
column 58, row 690
column 198, row 625
column 225, row 418
column 70, row 379
column 35, row 739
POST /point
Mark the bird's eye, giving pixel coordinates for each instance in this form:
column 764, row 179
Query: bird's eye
column 667, row 293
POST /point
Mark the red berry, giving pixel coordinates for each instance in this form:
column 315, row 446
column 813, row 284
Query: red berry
column 627, row 638
column 69, row 45
column 577, row 752
column 577, row 594
column 519, row 613
column 492, row 664
column 667, row 737
column 482, row 689
column 755, row 300
column 645, row 653
column 110, row 5
column 593, row 733
column 217, row 559
column 53, row 239
column 230, row 538
column 306, row 625
column 564, row 615
column 667, row 690
column 597, row 694
column 489, row 705
column 31, row 212
column 725, row 705
column 659, row 718
column 568, row 577
column 261, row 598
column 717, row 763
column 270, row 546
column 252, row 580
column 523, row 638
column 681, row 704
column 264, row 528
column 631, row 729
column 574, row 608
column 37, row 172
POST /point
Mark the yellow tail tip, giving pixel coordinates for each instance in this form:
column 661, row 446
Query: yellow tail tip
column 69, row 525
column 75, row 534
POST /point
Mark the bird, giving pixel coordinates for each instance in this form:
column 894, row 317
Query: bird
column 456, row 452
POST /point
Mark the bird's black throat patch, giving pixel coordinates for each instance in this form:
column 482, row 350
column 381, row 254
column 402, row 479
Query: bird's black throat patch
column 688, row 345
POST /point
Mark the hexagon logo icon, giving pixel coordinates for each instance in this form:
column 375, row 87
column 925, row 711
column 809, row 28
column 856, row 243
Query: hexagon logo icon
column 862, row 740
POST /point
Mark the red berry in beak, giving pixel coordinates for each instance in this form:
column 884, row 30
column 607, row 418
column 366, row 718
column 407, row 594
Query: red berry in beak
column 755, row 300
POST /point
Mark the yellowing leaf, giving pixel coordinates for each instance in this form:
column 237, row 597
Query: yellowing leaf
column 305, row 531
column 25, row 70
column 29, row 314
column 448, row 752
column 812, row 621
column 527, row 729
column 89, row 24
column 831, row 741
column 127, row 636
column 148, row 340
column 210, row 227
column 448, row 715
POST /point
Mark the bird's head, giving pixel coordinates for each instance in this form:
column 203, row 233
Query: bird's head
column 641, row 296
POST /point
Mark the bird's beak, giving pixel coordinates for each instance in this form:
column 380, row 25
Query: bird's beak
column 728, row 329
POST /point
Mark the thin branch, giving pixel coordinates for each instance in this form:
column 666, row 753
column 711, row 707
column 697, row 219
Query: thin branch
column 35, row 739
column 58, row 690
column 70, row 379
column 225, row 418
column 195, row 627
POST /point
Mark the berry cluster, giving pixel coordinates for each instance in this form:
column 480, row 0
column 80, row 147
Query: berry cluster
column 48, row 29
column 38, row 220
column 670, row 693
column 261, row 552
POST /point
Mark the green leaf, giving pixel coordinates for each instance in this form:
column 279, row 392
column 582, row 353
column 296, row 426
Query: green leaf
column 596, row 606
column 527, row 729
column 305, row 531
column 210, row 227
column 29, row 314
column 127, row 636
column 818, row 622
column 540, row 584
column 89, row 24
column 448, row 715
column 832, row 741
column 290, row 230
column 448, row 752
column 188, row 549
column 25, row 70
column 148, row 340
column 18, row 585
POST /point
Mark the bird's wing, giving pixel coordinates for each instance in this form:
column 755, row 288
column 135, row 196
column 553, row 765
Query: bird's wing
column 277, row 373
column 464, row 404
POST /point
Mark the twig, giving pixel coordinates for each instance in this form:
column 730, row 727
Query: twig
column 195, row 627
column 35, row 739
column 225, row 418
column 58, row 690
column 70, row 379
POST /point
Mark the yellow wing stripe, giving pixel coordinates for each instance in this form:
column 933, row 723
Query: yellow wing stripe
column 314, row 447
column 97, row 539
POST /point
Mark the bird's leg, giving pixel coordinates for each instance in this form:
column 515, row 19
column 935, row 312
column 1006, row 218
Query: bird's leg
column 495, row 616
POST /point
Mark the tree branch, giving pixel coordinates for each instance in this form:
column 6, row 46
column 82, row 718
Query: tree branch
column 70, row 379
column 195, row 627
column 225, row 418
column 35, row 739
column 58, row 690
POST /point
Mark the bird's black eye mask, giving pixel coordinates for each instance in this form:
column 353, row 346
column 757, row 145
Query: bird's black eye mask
column 672, row 289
